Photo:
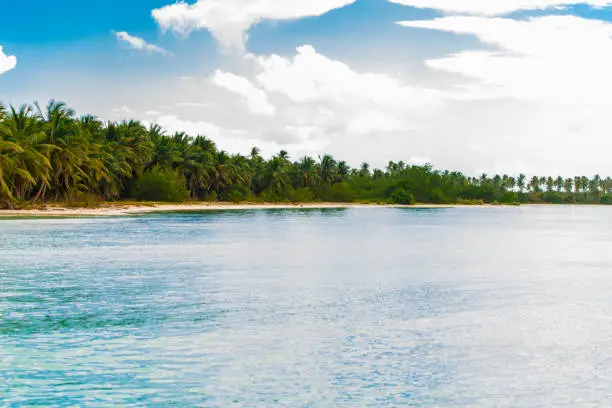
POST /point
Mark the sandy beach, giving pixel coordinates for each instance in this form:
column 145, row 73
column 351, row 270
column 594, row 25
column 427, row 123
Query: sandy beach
column 118, row 209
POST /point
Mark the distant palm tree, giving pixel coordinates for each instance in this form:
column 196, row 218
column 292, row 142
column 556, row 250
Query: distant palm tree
column 343, row 170
column 328, row 169
column 550, row 183
column 534, row 184
column 559, row 184
column 364, row 171
column 568, row 185
column 307, row 168
column 521, row 182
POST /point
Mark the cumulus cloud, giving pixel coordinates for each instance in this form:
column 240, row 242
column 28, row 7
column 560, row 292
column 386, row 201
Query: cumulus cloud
column 230, row 20
column 232, row 140
column 138, row 43
column 7, row 62
column 123, row 110
column 540, row 93
column 313, row 77
column 496, row 7
column 172, row 123
column 309, row 103
column 321, row 93
column 255, row 98
column 552, row 59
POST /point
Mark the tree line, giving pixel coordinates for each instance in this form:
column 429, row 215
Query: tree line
column 51, row 155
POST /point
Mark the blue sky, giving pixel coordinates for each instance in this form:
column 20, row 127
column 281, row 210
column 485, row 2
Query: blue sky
column 457, row 83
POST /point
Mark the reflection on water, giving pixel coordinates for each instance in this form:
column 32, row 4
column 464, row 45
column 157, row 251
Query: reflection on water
column 505, row 307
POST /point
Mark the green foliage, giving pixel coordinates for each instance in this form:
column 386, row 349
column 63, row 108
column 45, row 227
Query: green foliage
column 50, row 154
column 238, row 193
column 336, row 193
column 212, row 197
column 401, row 196
column 161, row 185
column 302, row 195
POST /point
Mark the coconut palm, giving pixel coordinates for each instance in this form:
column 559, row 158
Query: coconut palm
column 568, row 185
column 521, row 182
column 307, row 169
column 328, row 169
column 559, row 184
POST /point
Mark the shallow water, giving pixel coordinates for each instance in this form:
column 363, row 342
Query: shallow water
column 468, row 307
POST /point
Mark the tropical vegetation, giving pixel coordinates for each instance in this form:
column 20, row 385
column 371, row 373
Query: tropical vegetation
column 51, row 155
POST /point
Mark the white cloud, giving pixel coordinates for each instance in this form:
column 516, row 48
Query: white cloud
column 230, row 20
column 552, row 59
column 540, row 94
column 419, row 161
column 173, row 124
column 230, row 140
column 325, row 94
column 138, row 43
column 123, row 110
column 7, row 62
column 312, row 77
column 320, row 105
column 255, row 98
column 496, row 7
column 533, row 97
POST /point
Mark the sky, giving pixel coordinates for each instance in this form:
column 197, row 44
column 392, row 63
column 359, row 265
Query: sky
column 503, row 86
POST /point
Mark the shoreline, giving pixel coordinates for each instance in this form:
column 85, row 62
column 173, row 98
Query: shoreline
column 118, row 209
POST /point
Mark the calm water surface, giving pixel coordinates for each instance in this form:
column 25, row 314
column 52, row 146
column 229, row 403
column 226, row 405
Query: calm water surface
column 482, row 307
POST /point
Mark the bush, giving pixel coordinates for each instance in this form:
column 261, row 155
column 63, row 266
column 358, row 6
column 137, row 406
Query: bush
column 212, row 196
column 238, row 193
column 438, row 196
column 552, row 197
column 161, row 185
column 83, row 200
column 336, row 193
column 301, row 195
column 270, row 196
column 403, row 197
column 509, row 197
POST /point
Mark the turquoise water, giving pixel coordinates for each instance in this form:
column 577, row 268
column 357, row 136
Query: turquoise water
column 470, row 307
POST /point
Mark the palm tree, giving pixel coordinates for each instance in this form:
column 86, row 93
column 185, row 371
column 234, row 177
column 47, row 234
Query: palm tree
column 277, row 175
column 7, row 167
column 199, row 166
column 307, row 169
column 364, row 171
column 568, row 185
column 577, row 185
column 255, row 154
column 328, row 169
column 559, row 184
column 584, row 181
column 550, row 183
column 534, row 184
column 521, row 182
column 343, row 171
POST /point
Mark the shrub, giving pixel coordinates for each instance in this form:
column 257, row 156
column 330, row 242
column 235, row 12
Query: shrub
column 509, row 197
column 161, row 185
column 212, row 196
column 438, row 196
column 336, row 193
column 301, row 195
column 238, row 193
column 270, row 196
column 401, row 196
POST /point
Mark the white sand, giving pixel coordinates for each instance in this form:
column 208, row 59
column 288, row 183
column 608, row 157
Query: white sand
column 118, row 209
